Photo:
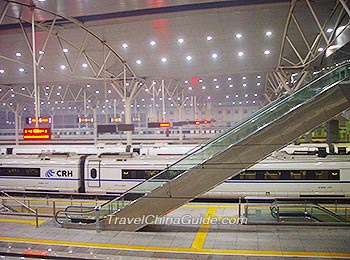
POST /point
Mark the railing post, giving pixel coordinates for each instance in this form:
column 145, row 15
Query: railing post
column 54, row 208
column 97, row 209
column 239, row 207
column 278, row 213
column 36, row 218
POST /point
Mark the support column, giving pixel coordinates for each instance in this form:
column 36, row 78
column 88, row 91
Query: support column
column 36, row 90
column 16, row 125
column 95, row 124
column 127, row 114
column 332, row 128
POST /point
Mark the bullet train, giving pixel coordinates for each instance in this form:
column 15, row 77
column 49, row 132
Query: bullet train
column 279, row 175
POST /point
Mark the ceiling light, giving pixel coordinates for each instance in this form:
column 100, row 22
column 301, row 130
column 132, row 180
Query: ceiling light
column 215, row 80
column 267, row 52
column 209, row 38
column 18, row 54
column 320, row 49
column 200, row 80
column 203, row 87
column 88, row 85
column 189, row 88
column 240, row 54
column 258, row 76
column 2, row 71
column 152, row 43
column 164, row 59
column 217, row 86
column 229, row 78
column 227, row 96
column 124, row 45
column 63, row 67
column 239, row 35
column 21, row 70
column 258, row 84
column 41, row 0
column 244, row 77
column 84, row 65
column 41, row 52
column 208, row 97
column 42, row 68
column 254, row 101
column 65, row 50
column 180, row 40
column 268, row 33
column 214, row 55
column 188, row 58
column 244, row 84
column 231, row 85
column 329, row 30
column 186, row 81
column 138, row 62
column 236, row 95
column 255, row 95
column 97, row 91
column 246, row 95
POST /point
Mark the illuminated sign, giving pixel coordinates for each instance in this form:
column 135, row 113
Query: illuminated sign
column 36, row 134
column 116, row 119
column 85, row 119
column 158, row 124
column 197, row 122
column 41, row 120
column 136, row 119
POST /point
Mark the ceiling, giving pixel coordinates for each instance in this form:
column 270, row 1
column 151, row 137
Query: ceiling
column 222, row 66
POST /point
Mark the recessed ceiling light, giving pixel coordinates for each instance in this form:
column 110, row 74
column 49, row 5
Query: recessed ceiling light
column 203, row 87
column 41, row 0
column 227, row 96
column 138, row 62
column 258, row 84
column 244, row 84
column 209, row 38
column 97, row 91
column 41, row 52
column 88, row 85
column 214, row 55
column 268, row 33
column 246, row 95
column 320, row 49
column 258, row 76
column 63, row 67
column 240, row 54
column 164, row 59
column 200, row 80
column 84, row 65
column 189, row 88
column 329, row 30
column 188, row 58
column 254, row 101
column 21, row 70
column 239, row 35
column 2, row 71
column 152, row 43
column 18, row 54
column 217, row 86
column 215, row 80
column 231, row 85
column 65, row 50
column 229, row 78
column 180, row 40
column 42, row 67
column 244, row 77
column 255, row 95
column 124, row 45
column 186, row 81
column 267, row 52
column 209, row 97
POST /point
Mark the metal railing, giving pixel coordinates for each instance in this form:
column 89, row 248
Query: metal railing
column 32, row 212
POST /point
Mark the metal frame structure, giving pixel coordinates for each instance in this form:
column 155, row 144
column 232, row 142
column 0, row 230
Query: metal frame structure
column 295, row 64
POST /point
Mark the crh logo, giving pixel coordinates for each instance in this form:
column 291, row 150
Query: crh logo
column 49, row 173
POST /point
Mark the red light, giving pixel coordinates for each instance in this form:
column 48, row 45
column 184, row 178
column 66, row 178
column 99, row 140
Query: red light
column 205, row 121
column 164, row 124
column 36, row 133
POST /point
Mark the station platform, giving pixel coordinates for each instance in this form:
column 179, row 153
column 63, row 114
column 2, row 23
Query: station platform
column 185, row 233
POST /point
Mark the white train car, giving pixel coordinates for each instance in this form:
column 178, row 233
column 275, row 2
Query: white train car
column 284, row 175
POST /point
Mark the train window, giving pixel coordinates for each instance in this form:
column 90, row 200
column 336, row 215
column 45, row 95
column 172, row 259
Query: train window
column 248, row 175
column 321, row 175
column 138, row 174
column 296, row 175
column 23, row 172
column 272, row 175
column 93, row 173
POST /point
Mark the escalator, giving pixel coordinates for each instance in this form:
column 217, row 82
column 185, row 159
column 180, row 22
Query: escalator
column 224, row 156
column 300, row 212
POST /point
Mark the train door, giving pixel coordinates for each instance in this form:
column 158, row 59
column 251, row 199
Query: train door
column 94, row 174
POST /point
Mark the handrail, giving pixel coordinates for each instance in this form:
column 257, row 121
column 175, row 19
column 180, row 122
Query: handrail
column 19, row 202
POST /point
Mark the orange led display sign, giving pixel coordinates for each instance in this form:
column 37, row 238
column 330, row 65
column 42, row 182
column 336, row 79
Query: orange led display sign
column 164, row 124
column 32, row 120
column 36, row 133
column 85, row 119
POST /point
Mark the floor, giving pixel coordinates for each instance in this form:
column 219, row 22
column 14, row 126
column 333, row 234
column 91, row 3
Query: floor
column 194, row 231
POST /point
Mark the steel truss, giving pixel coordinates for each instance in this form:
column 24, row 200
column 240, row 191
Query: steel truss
column 304, row 44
